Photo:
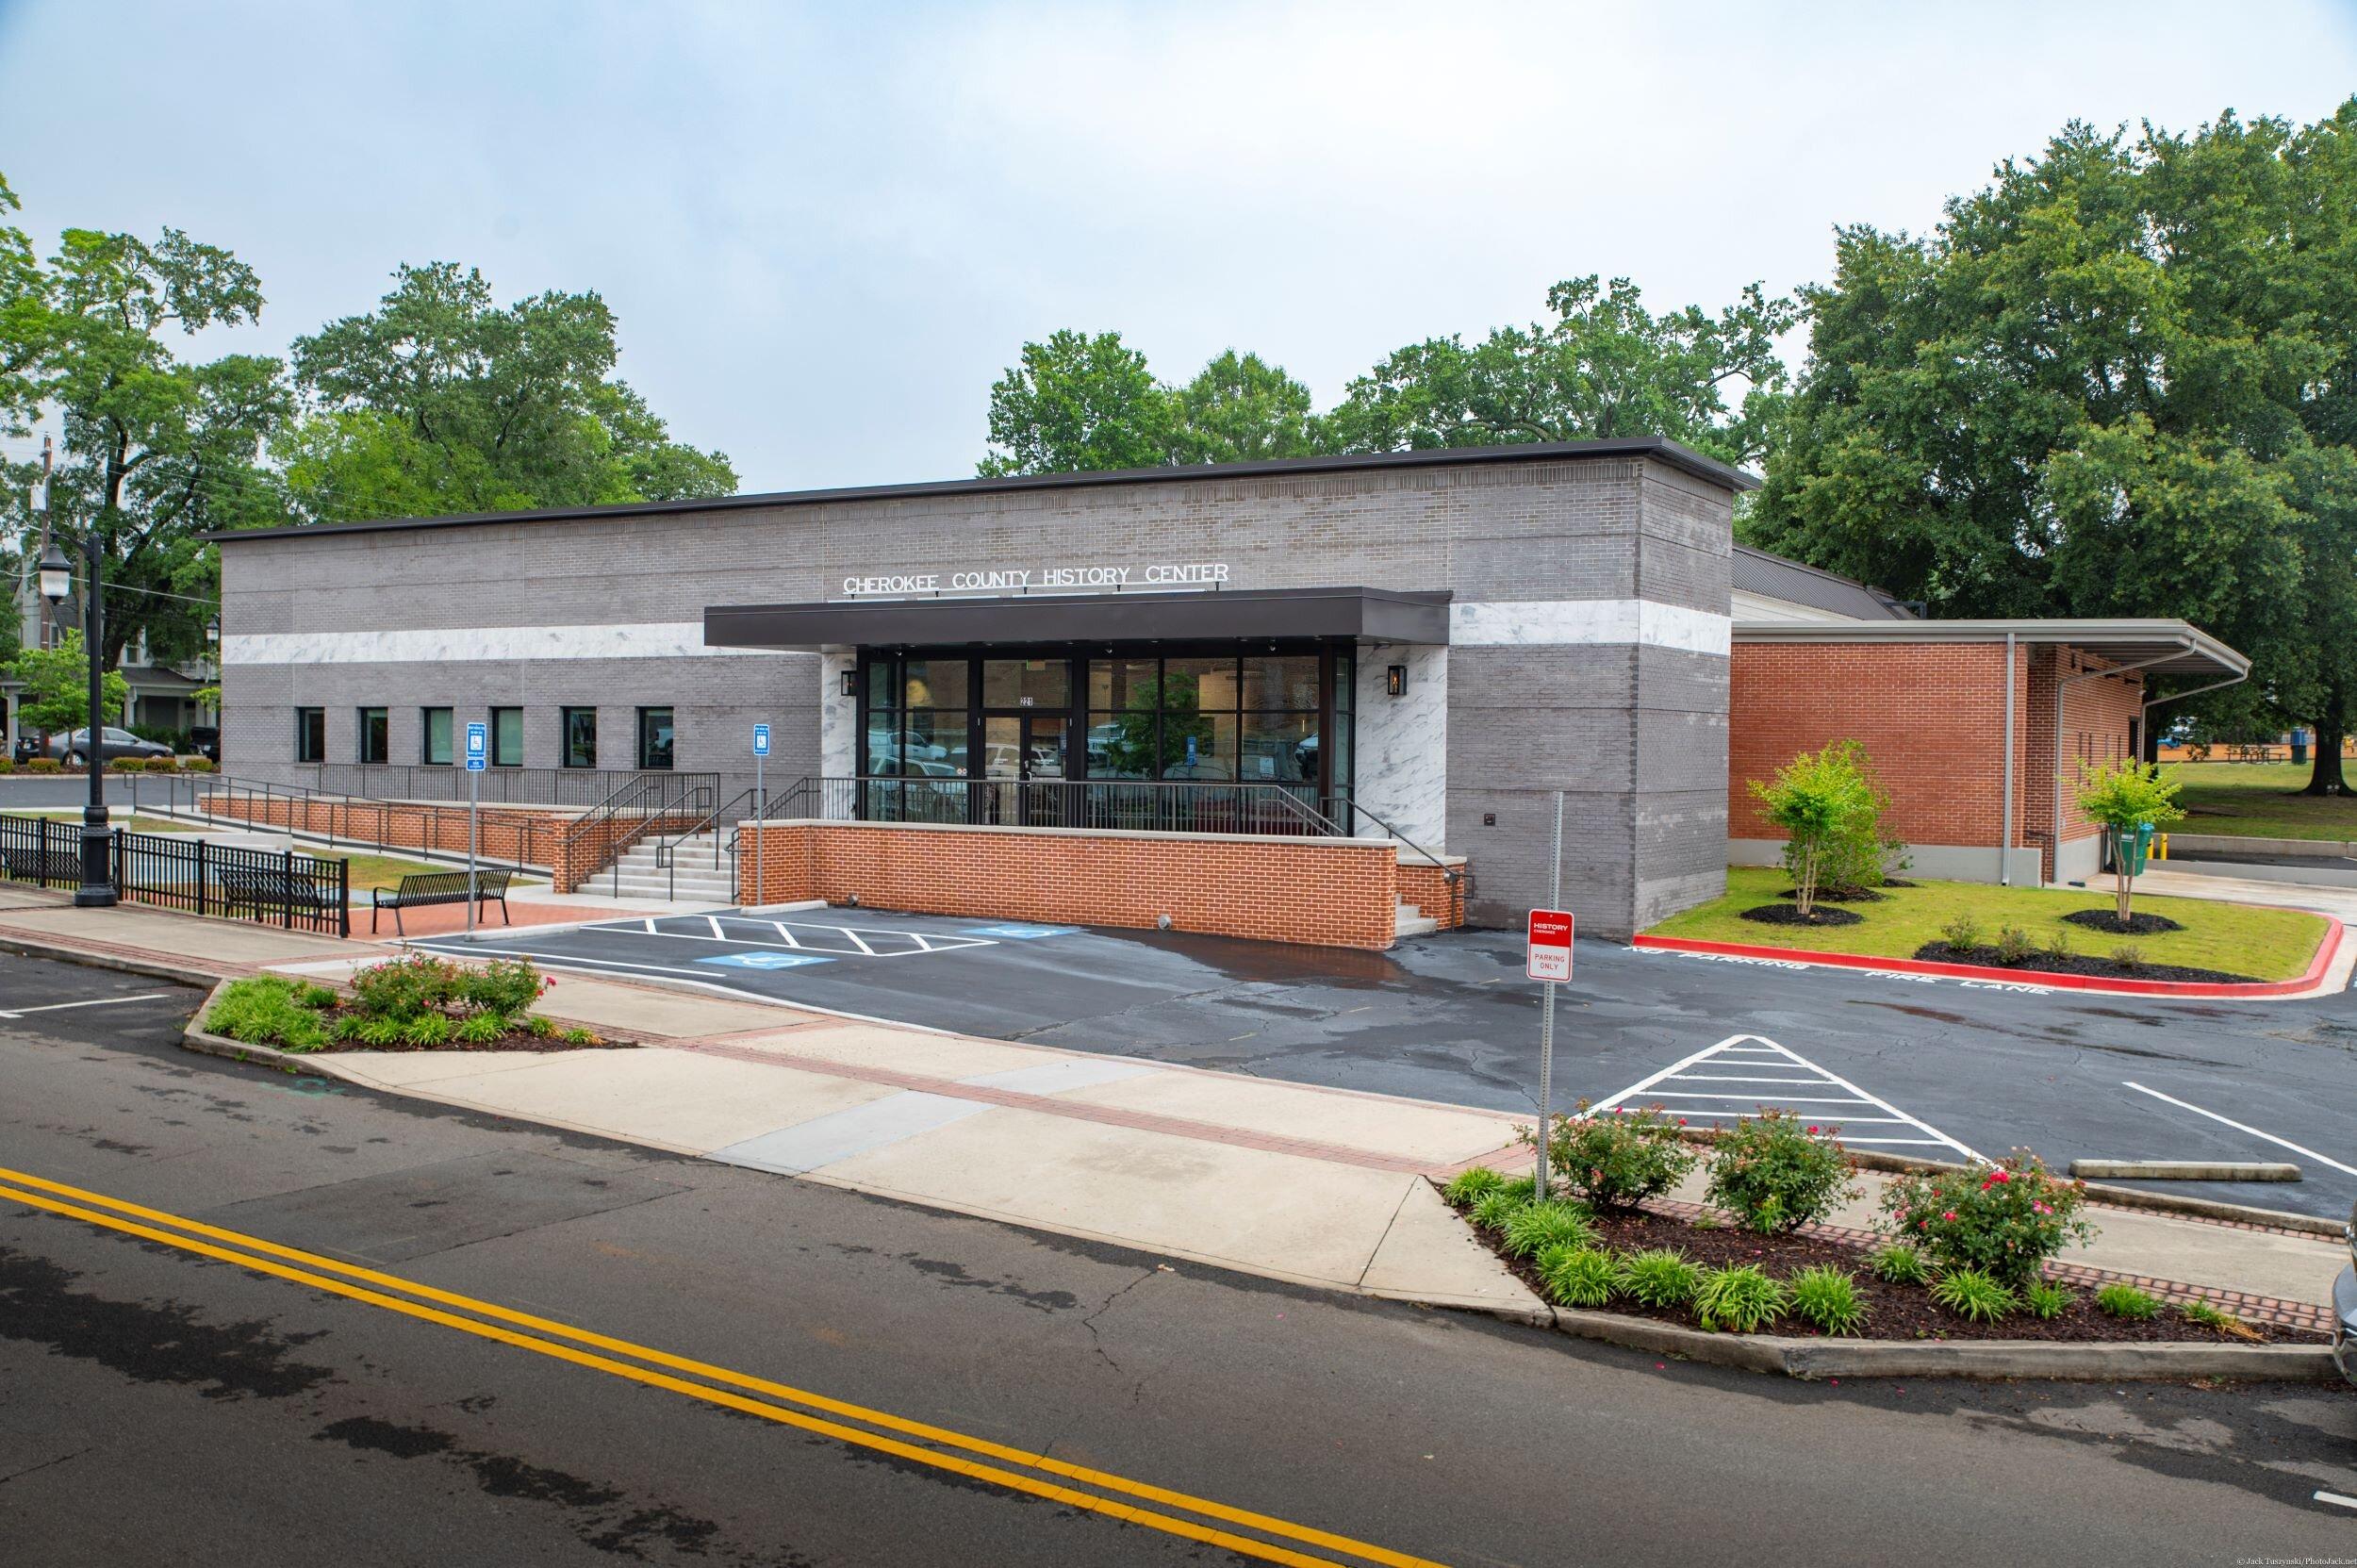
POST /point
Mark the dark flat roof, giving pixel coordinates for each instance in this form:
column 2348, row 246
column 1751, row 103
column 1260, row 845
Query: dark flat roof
column 1774, row 576
column 1683, row 459
column 1364, row 615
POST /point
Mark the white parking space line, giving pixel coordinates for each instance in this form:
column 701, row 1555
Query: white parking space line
column 2281, row 1143
column 92, row 1001
column 800, row 935
column 1679, row 1083
column 2336, row 1498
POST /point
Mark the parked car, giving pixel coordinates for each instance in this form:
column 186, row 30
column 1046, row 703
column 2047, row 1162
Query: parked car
column 2345, row 1307
column 204, row 739
column 74, row 749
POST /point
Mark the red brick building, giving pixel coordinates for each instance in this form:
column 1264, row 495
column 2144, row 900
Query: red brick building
column 1960, row 717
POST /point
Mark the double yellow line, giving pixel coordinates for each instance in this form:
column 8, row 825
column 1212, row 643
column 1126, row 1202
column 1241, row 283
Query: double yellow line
column 916, row 1440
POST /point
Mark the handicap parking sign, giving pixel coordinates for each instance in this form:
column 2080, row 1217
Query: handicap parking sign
column 478, row 747
column 761, row 740
column 765, row 958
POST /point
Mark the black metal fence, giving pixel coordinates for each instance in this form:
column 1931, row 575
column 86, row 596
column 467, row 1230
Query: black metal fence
column 1130, row 804
column 280, row 888
column 500, row 786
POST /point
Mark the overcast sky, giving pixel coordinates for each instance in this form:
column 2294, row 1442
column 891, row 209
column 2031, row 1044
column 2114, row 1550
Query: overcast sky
column 826, row 230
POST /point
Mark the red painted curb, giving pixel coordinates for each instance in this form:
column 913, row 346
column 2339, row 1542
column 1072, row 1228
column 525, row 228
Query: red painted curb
column 2323, row 961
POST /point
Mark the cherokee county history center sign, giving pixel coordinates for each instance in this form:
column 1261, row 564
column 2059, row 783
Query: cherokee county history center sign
column 1164, row 574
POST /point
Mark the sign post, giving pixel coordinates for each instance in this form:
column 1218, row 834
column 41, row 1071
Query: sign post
column 761, row 801
column 478, row 757
column 1548, row 961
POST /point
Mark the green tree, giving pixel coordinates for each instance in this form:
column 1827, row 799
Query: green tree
column 1604, row 366
column 1240, row 408
column 154, row 451
column 1822, row 799
column 56, row 699
column 2123, row 799
column 443, row 401
column 2121, row 379
column 1077, row 403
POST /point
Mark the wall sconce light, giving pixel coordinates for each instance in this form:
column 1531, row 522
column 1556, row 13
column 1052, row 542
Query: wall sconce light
column 1395, row 680
column 850, row 683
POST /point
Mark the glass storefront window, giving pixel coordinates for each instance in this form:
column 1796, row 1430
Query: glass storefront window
column 881, row 691
column 1286, row 681
column 933, row 745
column 936, row 683
column 1199, row 746
column 883, row 742
column 1121, row 684
column 1121, row 745
column 1204, row 684
column 1280, row 748
column 1026, row 682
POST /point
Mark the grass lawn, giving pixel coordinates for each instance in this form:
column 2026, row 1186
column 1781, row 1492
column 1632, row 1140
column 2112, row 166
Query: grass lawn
column 380, row 870
column 2242, row 939
column 2259, row 799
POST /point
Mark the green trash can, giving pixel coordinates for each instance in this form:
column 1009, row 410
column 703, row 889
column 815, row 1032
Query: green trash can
column 2130, row 846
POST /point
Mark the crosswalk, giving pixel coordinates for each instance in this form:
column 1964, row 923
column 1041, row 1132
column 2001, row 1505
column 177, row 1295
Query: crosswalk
column 1744, row 1073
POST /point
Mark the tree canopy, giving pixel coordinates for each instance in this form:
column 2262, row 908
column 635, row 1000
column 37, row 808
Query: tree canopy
column 443, row 401
column 2121, row 379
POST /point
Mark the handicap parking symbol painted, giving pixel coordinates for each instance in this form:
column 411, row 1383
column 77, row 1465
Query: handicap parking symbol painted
column 768, row 958
column 1020, row 933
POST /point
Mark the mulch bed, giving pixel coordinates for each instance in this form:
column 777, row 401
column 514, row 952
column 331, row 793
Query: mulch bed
column 1893, row 1312
column 2108, row 923
column 1785, row 915
column 1839, row 895
column 2076, row 964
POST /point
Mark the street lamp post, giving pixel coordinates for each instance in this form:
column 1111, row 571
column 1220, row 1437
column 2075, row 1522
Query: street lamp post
column 56, row 580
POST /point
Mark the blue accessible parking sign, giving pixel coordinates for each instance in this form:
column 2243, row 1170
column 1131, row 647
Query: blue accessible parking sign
column 478, row 747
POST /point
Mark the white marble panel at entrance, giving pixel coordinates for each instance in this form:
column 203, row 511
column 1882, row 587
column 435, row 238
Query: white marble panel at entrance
column 1402, row 763
column 838, row 718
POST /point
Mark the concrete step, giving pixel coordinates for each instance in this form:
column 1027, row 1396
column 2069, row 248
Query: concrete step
column 1412, row 921
column 663, row 887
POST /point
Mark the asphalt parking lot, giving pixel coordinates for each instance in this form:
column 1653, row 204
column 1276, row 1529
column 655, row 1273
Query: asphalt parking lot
column 1915, row 1064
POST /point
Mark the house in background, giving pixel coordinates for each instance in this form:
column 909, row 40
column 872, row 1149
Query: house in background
column 163, row 698
column 1977, row 729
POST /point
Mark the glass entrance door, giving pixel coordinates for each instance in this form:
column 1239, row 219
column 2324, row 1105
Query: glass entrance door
column 1023, row 762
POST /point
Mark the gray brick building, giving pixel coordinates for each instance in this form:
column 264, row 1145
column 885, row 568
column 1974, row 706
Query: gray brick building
column 1559, row 615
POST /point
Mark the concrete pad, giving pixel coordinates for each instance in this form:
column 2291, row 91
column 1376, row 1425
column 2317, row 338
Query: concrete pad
column 671, row 1099
column 2291, row 1268
column 1057, row 1078
column 128, row 925
column 824, row 1139
column 1277, row 1214
column 1429, row 1254
column 1429, row 1133
column 907, row 1051
column 398, row 1069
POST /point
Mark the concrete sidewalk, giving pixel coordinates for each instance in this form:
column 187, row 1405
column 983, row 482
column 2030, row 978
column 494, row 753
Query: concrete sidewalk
column 1321, row 1186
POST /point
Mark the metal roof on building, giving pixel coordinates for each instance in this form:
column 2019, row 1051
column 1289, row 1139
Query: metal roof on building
column 2161, row 647
column 1683, row 459
column 1774, row 577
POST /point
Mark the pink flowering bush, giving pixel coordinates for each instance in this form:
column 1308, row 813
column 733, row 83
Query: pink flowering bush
column 1772, row 1175
column 2004, row 1220
column 1619, row 1158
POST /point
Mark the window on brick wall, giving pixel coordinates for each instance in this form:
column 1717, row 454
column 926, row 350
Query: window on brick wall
column 507, row 737
column 375, row 736
column 433, row 739
column 579, row 729
column 310, row 734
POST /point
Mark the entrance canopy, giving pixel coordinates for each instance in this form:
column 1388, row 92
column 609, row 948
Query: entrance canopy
column 1358, row 615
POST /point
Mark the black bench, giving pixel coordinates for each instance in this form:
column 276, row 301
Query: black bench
column 421, row 888
column 261, row 888
column 42, row 866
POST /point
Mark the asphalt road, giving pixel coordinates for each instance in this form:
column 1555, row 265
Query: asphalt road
column 158, row 1405
column 1451, row 1019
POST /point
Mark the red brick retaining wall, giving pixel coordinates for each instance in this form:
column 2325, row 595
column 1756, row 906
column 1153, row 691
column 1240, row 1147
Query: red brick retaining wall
column 1424, row 884
column 1338, row 893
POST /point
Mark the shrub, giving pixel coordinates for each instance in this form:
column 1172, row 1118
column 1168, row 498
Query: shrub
column 2014, row 945
column 2046, row 1300
column 406, row 987
column 1658, row 1278
column 538, row 1026
column 263, row 1010
column 502, row 985
column 1738, row 1300
column 2128, row 956
column 1828, row 1298
column 196, row 764
column 2126, row 1301
column 2202, row 1314
column 2058, row 943
column 127, row 765
column 578, row 1036
column 1492, row 1209
column 481, row 1029
column 44, row 765
column 1900, row 1263
column 377, row 1030
column 1619, row 1160
column 316, row 997
column 1579, row 1275
column 1972, row 1294
column 1535, row 1227
column 1467, row 1185
column 2004, row 1220
column 8, row 764
column 426, row 1030
column 1963, row 933
column 1827, row 805
column 1773, row 1175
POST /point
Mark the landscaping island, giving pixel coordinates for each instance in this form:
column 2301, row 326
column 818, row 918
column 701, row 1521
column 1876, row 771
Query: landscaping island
column 2049, row 928
column 416, row 1004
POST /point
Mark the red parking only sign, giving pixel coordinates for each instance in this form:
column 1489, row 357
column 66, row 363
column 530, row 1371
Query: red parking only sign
column 1550, row 944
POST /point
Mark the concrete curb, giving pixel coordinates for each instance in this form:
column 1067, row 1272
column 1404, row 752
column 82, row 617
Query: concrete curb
column 318, row 1064
column 2249, row 990
column 60, row 952
column 2187, row 1170
column 1812, row 1358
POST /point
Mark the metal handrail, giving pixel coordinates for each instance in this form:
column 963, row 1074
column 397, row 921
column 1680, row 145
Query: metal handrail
column 576, row 787
column 1448, row 872
column 1154, row 804
column 673, row 794
column 667, row 845
column 349, row 818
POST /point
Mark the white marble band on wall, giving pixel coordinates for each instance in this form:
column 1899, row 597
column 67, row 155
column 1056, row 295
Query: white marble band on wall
column 669, row 639
column 1553, row 623
column 1542, row 622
